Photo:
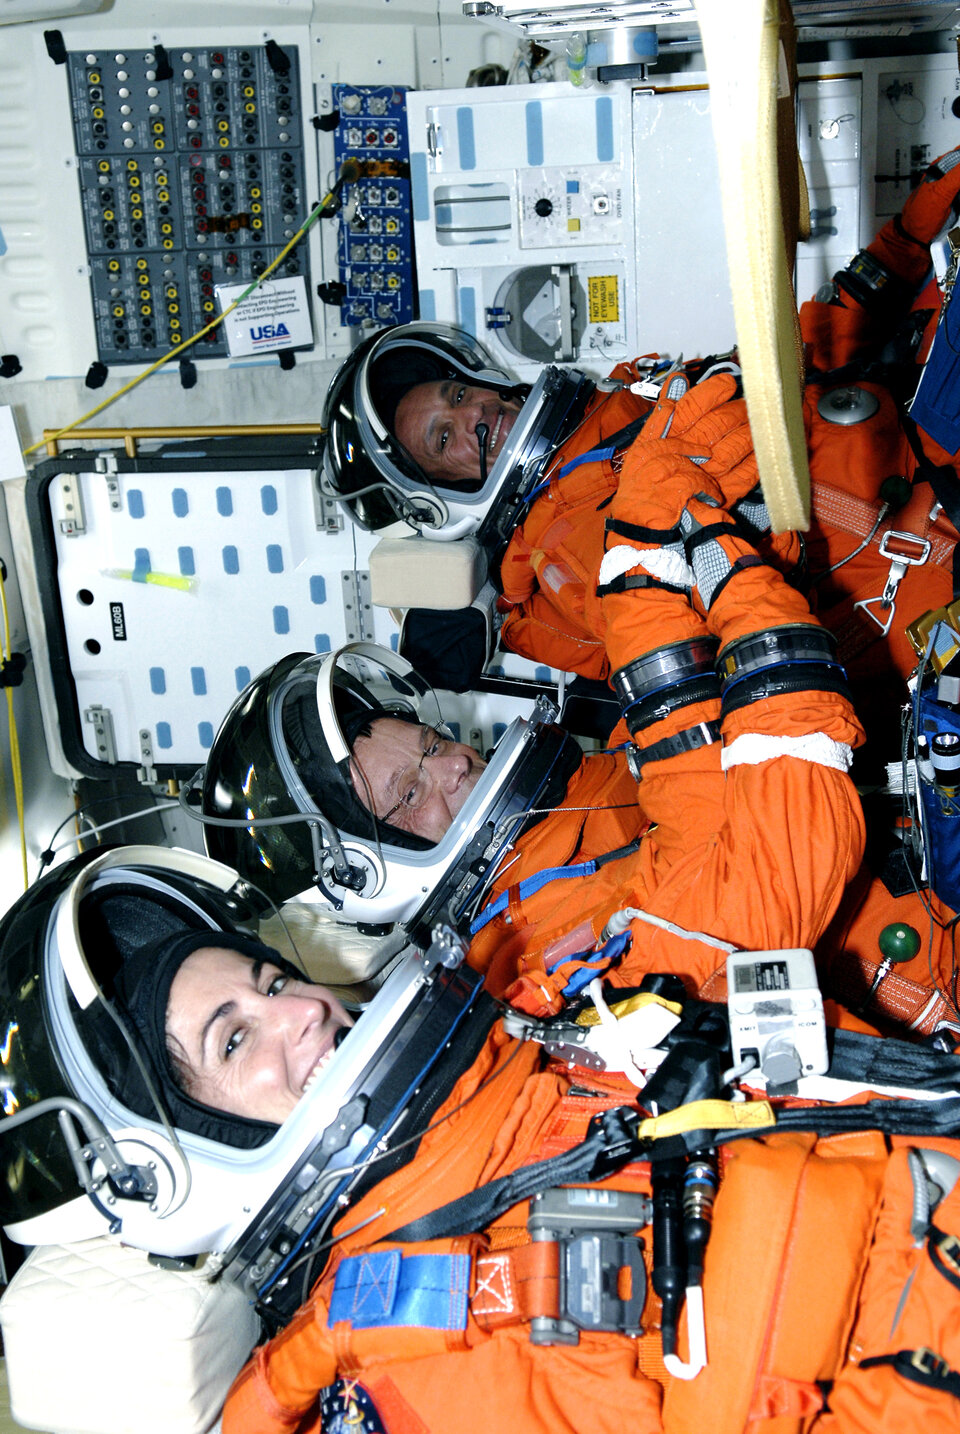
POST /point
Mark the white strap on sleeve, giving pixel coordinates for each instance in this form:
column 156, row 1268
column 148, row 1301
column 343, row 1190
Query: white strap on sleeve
column 755, row 747
column 663, row 563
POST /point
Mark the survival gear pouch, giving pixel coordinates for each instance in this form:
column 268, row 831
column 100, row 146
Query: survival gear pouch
column 825, row 1310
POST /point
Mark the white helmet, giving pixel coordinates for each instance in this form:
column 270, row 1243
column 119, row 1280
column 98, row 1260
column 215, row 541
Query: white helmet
column 278, row 802
column 379, row 483
column 96, row 1138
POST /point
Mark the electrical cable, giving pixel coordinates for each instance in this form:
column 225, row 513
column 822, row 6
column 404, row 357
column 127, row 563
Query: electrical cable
column 15, row 764
column 117, row 821
column 347, row 175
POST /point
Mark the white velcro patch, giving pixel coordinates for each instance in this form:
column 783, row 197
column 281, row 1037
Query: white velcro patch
column 664, row 563
column 755, row 747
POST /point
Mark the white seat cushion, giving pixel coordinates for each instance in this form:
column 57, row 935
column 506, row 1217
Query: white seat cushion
column 99, row 1341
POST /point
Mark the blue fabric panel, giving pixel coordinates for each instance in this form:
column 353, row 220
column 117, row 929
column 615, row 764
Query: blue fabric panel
column 941, row 814
column 164, row 735
column 158, row 681
column 268, row 499
column 224, row 502
column 534, row 118
column 465, row 137
column 274, row 558
column 241, row 677
column 186, row 560
column 231, row 561
column 467, row 305
column 420, row 191
column 281, row 620
column 181, row 502
column 387, row 1290
column 135, row 503
column 318, row 589
column 604, row 112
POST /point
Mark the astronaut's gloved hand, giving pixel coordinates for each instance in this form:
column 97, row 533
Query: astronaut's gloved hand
column 931, row 208
column 886, row 276
column 708, row 424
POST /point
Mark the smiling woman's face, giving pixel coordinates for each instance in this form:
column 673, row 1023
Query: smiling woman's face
column 248, row 1038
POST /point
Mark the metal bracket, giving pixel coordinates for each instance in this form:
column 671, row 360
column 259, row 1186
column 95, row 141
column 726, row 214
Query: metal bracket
column 71, row 494
column 326, row 511
column 102, row 721
column 146, row 772
column 106, row 463
column 357, row 608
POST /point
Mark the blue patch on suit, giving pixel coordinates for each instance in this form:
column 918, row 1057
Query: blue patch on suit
column 346, row 1408
column 386, row 1290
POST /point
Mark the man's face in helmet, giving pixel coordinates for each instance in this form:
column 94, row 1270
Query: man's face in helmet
column 437, row 425
column 249, row 1039
column 412, row 777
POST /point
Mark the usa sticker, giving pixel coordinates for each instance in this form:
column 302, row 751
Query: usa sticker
column 275, row 316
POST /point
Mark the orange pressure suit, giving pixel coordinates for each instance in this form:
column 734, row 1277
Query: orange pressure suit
column 754, row 841
column 549, row 566
column 548, row 570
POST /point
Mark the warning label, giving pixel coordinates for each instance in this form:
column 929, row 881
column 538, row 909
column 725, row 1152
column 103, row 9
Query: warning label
column 603, row 294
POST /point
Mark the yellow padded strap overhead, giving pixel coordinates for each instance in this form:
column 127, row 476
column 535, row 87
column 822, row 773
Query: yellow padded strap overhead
column 741, row 41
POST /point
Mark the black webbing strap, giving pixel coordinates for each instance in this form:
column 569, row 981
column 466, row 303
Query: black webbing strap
column 944, row 1252
column 662, row 536
column 690, row 740
column 891, row 1062
column 892, row 1117
column 478, row 1208
column 628, row 581
column 920, row 1366
column 945, row 484
column 608, row 1145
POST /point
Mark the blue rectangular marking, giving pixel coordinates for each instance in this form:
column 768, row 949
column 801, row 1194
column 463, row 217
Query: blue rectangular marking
column 3, row 244
column 534, row 117
column 198, row 681
column 387, row 1290
column 466, row 141
column 428, row 304
column 467, row 310
column 604, row 111
column 419, row 188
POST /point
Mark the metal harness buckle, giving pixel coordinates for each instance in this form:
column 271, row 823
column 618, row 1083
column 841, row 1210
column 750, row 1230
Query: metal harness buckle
column 602, row 1275
column 905, row 550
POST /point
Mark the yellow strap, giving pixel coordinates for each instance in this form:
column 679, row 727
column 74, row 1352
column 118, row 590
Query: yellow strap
column 708, row 1115
column 591, row 1016
column 742, row 47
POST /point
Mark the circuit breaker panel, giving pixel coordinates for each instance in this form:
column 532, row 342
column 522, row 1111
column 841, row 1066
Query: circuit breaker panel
column 191, row 170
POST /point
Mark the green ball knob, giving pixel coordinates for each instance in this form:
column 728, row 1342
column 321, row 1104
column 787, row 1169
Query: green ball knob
column 899, row 942
column 895, row 490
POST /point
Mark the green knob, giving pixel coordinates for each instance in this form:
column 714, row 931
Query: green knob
column 899, row 942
